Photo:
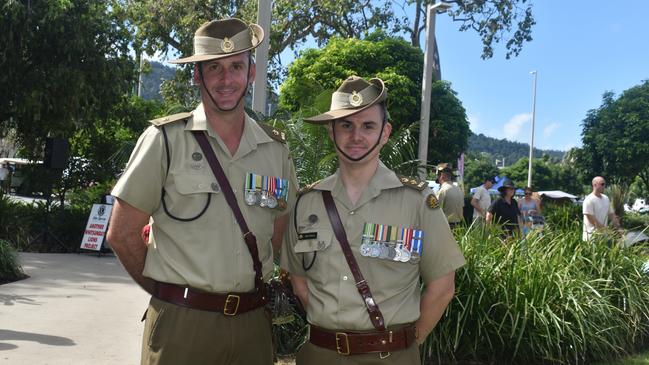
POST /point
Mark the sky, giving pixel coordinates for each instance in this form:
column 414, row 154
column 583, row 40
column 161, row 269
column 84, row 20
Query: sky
column 580, row 49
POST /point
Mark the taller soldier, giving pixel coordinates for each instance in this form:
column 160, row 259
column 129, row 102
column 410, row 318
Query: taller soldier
column 361, row 239
column 201, row 264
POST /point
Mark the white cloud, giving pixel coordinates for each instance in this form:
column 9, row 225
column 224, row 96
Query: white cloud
column 548, row 130
column 473, row 123
column 512, row 129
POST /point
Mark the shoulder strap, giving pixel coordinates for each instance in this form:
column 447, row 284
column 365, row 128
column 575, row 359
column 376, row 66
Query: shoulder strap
column 248, row 236
column 273, row 132
column 376, row 317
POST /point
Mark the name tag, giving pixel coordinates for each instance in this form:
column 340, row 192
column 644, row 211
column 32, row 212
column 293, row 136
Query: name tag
column 307, row 236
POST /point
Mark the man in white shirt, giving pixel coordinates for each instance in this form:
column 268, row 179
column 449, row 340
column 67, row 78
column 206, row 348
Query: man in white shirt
column 481, row 199
column 597, row 210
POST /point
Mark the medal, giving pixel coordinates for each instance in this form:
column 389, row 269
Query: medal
column 263, row 201
column 251, row 197
column 375, row 251
column 414, row 257
column 281, row 203
column 384, row 251
column 392, row 253
column 405, row 255
column 365, row 250
column 397, row 254
column 271, row 202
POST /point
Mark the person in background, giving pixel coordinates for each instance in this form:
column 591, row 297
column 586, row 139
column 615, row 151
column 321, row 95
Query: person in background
column 597, row 210
column 482, row 200
column 450, row 196
column 529, row 205
column 504, row 210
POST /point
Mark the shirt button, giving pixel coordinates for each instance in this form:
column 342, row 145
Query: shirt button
column 200, row 186
column 345, row 277
column 352, row 212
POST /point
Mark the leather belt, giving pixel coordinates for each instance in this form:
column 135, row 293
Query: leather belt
column 229, row 304
column 352, row 343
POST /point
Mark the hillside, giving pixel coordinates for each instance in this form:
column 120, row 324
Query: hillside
column 510, row 151
column 152, row 80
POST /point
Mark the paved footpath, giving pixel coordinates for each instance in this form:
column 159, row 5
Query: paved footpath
column 74, row 309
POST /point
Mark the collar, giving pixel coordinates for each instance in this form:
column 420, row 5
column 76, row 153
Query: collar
column 252, row 136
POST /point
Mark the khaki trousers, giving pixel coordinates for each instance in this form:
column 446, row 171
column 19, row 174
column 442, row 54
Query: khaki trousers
column 311, row 354
column 176, row 335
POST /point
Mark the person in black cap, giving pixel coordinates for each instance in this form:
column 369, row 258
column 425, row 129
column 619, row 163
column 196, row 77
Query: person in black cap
column 482, row 199
column 505, row 209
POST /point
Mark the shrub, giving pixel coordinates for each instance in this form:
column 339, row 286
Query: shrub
column 10, row 269
column 550, row 298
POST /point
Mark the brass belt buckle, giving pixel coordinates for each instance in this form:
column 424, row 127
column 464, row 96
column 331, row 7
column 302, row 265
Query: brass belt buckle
column 228, row 300
column 339, row 341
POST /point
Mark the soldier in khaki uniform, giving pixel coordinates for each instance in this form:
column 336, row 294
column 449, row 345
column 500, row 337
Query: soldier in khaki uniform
column 205, row 306
column 381, row 213
column 450, row 197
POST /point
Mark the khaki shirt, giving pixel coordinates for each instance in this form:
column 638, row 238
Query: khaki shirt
column 451, row 199
column 207, row 253
column 334, row 301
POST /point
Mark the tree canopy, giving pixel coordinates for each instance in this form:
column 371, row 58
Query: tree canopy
column 67, row 63
column 614, row 136
column 317, row 73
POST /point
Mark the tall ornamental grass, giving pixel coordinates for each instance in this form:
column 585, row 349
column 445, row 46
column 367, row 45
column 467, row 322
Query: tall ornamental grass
column 547, row 299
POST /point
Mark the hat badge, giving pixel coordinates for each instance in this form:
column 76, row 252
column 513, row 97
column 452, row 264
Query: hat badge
column 227, row 46
column 355, row 99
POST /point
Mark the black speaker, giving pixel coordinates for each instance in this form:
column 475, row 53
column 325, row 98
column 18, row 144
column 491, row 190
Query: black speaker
column 57, row 151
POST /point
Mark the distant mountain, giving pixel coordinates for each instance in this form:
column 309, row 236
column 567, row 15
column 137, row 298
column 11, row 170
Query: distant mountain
column 509, row 151
column 152, row 80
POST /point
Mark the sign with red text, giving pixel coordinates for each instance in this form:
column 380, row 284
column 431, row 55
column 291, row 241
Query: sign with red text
column 96, row 228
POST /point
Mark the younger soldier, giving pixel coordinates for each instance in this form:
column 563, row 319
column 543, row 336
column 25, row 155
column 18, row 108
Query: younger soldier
column 359, row 278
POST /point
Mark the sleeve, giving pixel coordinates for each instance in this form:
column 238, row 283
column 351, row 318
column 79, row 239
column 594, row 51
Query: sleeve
column 441, row 195
column 588, row 206
column 290, row 260
column 141, row 183
column 440, row 252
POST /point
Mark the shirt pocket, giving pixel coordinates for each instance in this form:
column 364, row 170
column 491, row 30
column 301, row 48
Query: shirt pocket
column 314, row 252
column 189, row 196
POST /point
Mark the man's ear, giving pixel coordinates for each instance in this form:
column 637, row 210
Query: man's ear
column 387, row 131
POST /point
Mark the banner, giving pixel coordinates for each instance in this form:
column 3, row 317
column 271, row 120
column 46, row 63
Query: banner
column 96, row 228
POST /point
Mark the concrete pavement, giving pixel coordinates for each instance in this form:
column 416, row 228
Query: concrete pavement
column 73, row 310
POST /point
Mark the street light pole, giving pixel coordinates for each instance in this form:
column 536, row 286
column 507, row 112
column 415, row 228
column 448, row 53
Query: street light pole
column 261, row 58
column 429, row 64
column 529, row 168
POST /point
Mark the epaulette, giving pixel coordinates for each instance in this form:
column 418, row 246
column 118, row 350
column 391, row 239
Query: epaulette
column 308, row 188
column 273, row 133
column 413, row 183
column 170, row 118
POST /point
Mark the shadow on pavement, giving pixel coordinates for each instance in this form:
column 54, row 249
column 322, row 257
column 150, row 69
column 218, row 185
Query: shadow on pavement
column 10, row 299
column 8, row 335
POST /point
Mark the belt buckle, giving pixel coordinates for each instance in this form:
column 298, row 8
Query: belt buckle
column 340, row 335
column 228, row 300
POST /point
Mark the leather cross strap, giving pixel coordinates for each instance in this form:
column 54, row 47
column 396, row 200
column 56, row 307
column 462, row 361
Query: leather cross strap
column 248, row 236
column 376, row 317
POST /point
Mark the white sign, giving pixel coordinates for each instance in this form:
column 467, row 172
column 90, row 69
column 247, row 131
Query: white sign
column 95, row 231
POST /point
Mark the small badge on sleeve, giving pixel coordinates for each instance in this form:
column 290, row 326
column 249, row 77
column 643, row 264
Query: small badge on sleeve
column 432, row 202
